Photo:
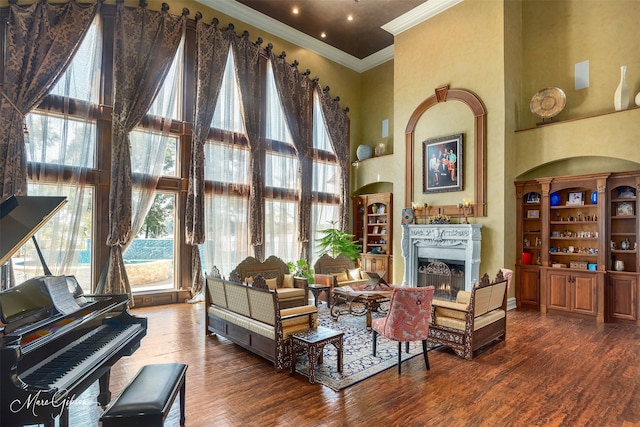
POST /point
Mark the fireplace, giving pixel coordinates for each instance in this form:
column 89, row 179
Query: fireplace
column 454, row 244
column 446, row 276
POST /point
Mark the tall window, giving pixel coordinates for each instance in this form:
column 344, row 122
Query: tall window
column 68, row 153
column 281, row 181
column 149, row 259
column 227, row 184
column 326, row 180
column 61, row 153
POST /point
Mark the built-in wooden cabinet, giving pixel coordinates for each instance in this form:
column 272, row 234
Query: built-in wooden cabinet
column 622, row 297
column 577, row 243
column 528, row 289
column 373, row 229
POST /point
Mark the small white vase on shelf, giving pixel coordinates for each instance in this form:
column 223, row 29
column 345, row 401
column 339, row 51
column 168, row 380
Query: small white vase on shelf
column 638, row 99
column 621, row 96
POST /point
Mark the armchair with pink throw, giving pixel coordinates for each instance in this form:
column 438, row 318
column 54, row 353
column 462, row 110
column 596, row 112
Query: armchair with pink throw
column 407, row 320
column 474, row 320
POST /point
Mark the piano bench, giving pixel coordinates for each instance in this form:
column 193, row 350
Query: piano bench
column 147, row 399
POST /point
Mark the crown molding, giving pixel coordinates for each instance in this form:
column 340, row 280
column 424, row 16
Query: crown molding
column 417, row 15
column 252, row 17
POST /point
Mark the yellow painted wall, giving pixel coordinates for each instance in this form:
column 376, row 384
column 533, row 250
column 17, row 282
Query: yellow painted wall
column 556, row 35
column 377, row 105
column 464, row 48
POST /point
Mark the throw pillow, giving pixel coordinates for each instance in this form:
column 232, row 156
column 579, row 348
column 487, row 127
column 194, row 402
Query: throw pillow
column 342, row 277
column 288, row 281
column 248, row 280
column 272, row 283
column 354, row 274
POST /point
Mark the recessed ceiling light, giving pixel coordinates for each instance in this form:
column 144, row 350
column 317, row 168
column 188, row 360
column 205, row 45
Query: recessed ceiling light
column 295, row 10
column 323, row 35
column 349, row 17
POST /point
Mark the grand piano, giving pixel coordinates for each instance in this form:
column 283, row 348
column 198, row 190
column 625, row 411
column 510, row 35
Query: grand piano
column 55, row 341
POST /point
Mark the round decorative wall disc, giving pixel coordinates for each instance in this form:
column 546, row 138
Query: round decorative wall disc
column 548, row 102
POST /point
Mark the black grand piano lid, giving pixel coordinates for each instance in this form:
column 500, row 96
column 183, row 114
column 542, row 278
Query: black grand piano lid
column 21, row 217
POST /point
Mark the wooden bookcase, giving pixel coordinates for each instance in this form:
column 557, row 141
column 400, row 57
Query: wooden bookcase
column 577, row 242
column 373, row 229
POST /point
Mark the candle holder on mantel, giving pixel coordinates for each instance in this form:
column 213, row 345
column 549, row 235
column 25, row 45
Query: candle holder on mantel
column 467, row 208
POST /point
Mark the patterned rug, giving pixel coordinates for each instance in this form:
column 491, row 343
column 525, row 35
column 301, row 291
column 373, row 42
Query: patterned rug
column 358, row 361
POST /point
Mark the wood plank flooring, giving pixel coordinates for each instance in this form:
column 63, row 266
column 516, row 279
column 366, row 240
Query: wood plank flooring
column 551, row 371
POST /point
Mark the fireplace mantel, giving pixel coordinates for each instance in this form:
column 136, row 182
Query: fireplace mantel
column 459, row 242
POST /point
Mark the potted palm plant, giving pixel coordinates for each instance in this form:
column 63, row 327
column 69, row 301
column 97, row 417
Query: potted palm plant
column 335, row 242
column 300, row 268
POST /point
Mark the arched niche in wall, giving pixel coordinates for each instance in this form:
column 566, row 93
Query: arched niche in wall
column 444, row 94
column 374, row 187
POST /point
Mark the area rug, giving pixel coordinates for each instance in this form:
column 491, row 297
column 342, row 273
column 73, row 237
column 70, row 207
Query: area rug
column 358, row 360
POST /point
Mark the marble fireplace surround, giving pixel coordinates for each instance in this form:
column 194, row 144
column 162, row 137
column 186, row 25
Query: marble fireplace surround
column 459, row 242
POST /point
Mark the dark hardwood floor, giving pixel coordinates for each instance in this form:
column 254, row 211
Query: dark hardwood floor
column 550, row 371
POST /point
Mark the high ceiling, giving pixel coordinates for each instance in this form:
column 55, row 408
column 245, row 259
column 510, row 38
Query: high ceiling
column 359, row 37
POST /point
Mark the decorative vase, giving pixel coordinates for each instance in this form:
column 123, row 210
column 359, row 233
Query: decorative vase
column 638, row 99
column 554, row 199
column 594, row 197
column 364, row 152
column 621, row 96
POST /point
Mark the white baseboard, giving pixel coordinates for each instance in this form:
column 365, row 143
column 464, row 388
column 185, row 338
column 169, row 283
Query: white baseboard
column 511, row 303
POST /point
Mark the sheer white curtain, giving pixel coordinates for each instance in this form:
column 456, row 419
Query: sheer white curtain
column 152, row 146
column 281, row 181
column 227, row 182
column 326, row 182
column 61, row 151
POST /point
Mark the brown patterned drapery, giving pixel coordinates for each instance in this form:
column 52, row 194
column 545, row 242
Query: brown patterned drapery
column 41, row 39
column 248, row 63
column 296, row 95
column 144, row 46
column 338, row 126
column 212, row 50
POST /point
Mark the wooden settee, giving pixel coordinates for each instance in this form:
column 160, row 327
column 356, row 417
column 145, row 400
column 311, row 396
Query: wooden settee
column 338, row 271
column 474, row 320
column 252, row 318
column 292, row 291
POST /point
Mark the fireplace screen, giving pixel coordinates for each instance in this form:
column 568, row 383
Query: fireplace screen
column 446, row 281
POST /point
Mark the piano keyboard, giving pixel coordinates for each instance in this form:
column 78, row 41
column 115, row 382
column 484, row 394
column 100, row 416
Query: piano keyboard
column 71, row 362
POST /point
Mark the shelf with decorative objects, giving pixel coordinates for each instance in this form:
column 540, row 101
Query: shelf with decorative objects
column 573, row 119
column 373, row 229
column 578, row 245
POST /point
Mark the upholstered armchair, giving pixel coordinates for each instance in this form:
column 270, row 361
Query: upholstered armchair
column 407, row 320
column 474, row 320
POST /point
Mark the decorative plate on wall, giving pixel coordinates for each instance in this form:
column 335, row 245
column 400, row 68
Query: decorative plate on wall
column 548, row 102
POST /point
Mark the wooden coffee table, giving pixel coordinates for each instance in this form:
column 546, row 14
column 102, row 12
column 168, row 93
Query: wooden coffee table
column 312, row 342
column 345, row 296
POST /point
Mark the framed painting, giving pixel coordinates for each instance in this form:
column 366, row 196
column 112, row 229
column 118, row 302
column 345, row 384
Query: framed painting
column 442, row 164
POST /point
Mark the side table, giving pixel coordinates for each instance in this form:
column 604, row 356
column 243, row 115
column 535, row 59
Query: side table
column 312, row 342
column 317, row 289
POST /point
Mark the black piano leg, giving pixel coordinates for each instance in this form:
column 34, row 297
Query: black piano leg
column 64, row 418
column 105, row 395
